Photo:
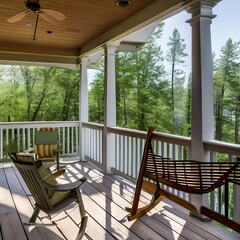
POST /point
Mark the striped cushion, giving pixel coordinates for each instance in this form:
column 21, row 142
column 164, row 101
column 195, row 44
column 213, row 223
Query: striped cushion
column 44, row 151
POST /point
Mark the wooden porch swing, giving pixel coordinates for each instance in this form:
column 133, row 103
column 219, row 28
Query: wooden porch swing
column 185, row 175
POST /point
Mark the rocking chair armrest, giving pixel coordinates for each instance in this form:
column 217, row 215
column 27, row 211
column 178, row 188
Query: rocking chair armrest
column 59, row 148
column 30, row 150
column 64, row 187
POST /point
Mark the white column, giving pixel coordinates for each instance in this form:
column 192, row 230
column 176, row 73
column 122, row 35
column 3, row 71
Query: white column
column 202, row 83
column 109, row 107
column 83, row 105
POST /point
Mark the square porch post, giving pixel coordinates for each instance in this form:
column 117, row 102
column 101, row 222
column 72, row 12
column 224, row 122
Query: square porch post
column 109, row 107
column 202, row 84
column 83, row 105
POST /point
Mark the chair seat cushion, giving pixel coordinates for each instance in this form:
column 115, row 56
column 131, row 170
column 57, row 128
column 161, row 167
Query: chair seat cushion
column 58, row 196
column 47, row 176
column 47, row 159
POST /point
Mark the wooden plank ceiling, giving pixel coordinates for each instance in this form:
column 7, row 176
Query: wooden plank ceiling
column 85, row 20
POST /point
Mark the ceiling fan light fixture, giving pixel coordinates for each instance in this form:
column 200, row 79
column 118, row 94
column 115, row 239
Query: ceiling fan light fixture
column 123, row 3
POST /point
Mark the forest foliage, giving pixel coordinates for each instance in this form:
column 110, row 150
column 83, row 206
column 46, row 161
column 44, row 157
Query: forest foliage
column 147, row 92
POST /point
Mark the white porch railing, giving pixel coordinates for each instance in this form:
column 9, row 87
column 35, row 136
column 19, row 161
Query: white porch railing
column 93, row 136
column 19, row 136
column 129, row 146
column 229, row 152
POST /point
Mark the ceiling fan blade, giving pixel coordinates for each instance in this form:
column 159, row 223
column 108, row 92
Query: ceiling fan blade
column 18, row 16
column 48, row 18
column 54, row 14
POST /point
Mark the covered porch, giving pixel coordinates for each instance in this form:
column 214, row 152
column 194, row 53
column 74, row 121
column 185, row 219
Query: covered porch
column 116, row 150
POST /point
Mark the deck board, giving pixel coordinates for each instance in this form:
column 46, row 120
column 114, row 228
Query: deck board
column 159, row 226
column 11, row 227
column 10, row 224
column 112, row 202
column 105, row 198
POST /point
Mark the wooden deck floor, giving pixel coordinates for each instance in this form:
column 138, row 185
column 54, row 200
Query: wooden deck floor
column 105, row 197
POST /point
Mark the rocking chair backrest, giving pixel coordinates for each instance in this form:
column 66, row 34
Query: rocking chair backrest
column 29, row 169
column 46, row 141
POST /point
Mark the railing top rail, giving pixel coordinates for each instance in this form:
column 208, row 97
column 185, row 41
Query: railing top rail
column 222, row 147
column 170, row 138
column 174, row 139
column 92, row 125
column 127, row 132
column 212, row 145
column 36, row 124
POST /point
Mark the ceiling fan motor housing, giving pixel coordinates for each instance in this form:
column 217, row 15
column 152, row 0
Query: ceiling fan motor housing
column 33, row 5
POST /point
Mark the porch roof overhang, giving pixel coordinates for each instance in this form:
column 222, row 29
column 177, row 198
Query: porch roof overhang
column 88, row 26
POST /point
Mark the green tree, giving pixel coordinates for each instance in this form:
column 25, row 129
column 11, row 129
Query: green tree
column 149, row 82
column 40, row 89
column 10, row 103
column 38, row 93
column 141, row 88
column 175, row 56
column 188, row 110
column 124, row 88
column 68, row 82
column 96, row 99
column 233, row 95
column 225, row 78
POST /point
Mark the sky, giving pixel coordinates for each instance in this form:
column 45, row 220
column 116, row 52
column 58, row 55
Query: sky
column 224, row 26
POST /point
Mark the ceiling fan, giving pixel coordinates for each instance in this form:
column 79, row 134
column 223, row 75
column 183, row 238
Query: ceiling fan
column 48, row 15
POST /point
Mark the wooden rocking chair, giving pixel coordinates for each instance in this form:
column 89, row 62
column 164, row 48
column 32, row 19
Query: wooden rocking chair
column 185, row 175
column 49, row 196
